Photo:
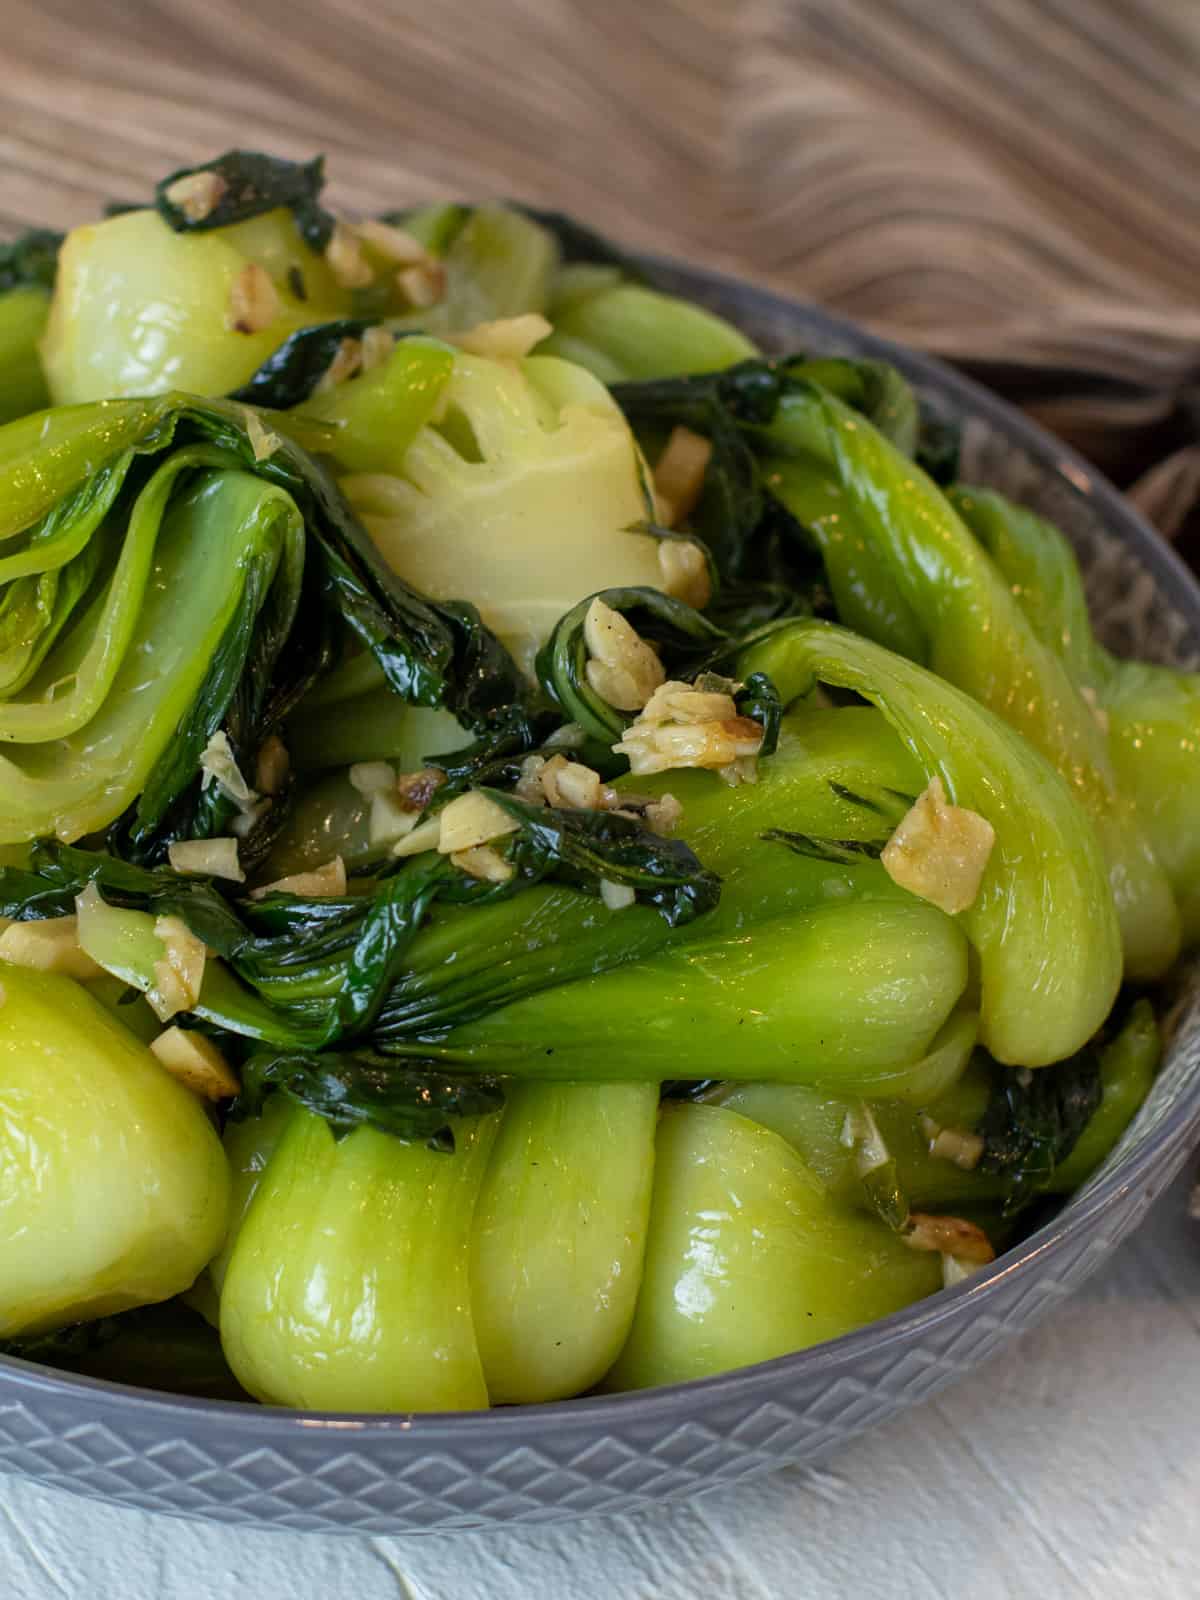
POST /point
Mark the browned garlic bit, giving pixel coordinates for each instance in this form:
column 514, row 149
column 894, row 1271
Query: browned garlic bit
column 326, row 882
column 940, row 851
column 510, row 339
column 377, row 346
column 679, row 475
column 346, row 362
column 622, row 668
column 197, row 1062
column 685, row 572
column 682, row 726
column 481, row 861
column 253, row 300
column 423, row 285
column 217, row 858
column 197, row 194
column 951, row 1236
column 346, row 260
column 964, row 1149
column 180, row 973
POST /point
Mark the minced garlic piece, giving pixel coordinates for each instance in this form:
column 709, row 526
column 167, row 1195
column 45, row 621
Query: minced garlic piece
column 571, row 784
column 964, row 1149
column 423, row 285
column 952, row 1236
column 253, row 300
column 389, row 820
column 180, row 974
column 371, row 777
column 424, row 837
column 263, row 442
column 472, row 819
column 664, row 813
column 273, row 765
column 377, row 346
column 48, row 946
column 622, row 668
column 197, row 194
column 1093, row 701
column 417, row 789
column 394, row 244
column 346, row 260
column 509, row 339
column 679, row 475
column 346, row 362
column 939, row 851
column 684, row 572
column 481, row 861
column 956, row 1270
column 685, row 727
column 616, row 896
column 218, row 858
column 196, row 1061
column 326, row 882
column 219, row 766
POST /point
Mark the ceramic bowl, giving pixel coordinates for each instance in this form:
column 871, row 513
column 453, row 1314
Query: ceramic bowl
column 408, row 1474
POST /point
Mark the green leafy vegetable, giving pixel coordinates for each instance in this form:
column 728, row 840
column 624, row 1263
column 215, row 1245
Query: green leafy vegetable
column 253, row 184
column 1035, row 1119
column 31, row 258
column 290, row 374
column 353, row 1089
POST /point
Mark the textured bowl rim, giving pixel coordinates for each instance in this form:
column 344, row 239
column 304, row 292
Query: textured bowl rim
column 1150, row 1164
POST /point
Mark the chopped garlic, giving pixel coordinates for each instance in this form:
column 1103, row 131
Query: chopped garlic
column 180, row 974
column 571, row 784
column 377, row 345
column 196, row 1061
column 939, row 851
column 685, row 727
column 528, row 786
column 1098, row 712
column 346, row 362
column 481, row 861
column 372, row 777
column 569, row 737
column 685, row 572
column 622, row 668
column 472, row 819
column 197, row 194
column 423, row 285
column 424, row 837
column 956, row 1269
column 346, row 260
column 253, row 300
column 326, row 882
column 510, row 339
column 860, row 1133
column 217, row 858
column 679, row 475
column 964, row 1149
column 417, row 789
column 616, row 896
column 389, row 818
column 48, row 946
column 219, row 766
column 273, row 765
column 394, row 244
column 664, row 813
column 952, row 1236
column 263, row 442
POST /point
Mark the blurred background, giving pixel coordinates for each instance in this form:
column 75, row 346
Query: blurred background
column 1010, row 183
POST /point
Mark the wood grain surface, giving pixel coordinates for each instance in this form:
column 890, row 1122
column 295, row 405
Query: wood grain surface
column 1013, row 183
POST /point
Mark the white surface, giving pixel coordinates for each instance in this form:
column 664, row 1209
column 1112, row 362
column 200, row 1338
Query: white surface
column 1068, row 1467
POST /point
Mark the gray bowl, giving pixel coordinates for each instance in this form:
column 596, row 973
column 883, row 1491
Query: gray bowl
column 410, row 1474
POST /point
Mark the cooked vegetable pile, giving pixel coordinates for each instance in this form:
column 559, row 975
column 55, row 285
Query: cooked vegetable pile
column 542, row 847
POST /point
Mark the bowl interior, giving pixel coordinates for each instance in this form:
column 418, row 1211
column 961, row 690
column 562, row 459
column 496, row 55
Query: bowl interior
column 1144, row 603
